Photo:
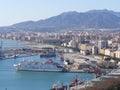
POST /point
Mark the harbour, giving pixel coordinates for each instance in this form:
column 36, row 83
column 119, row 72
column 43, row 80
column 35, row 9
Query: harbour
column 29, row 80
column 40, row 78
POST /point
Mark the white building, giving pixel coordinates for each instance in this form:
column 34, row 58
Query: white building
column 94, row 50
column 72, row 44
column 117, row 54
column 102, row 44
column 108, row 52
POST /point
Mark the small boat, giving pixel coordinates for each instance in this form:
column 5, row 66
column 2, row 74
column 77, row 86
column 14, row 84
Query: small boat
column 48, row 54
column 61, row 59
column 114, row 74
column 96, row 80
column 59, row 86
column 107, row 77
column 75, row 82
column 67, row 62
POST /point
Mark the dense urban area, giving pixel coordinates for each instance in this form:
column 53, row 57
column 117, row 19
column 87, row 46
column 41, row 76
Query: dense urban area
column 85, row 50
column 103, row 43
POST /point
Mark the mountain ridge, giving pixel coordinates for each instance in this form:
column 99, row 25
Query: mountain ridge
column 72, row 20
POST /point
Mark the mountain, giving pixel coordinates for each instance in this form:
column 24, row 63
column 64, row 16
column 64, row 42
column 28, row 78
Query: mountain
column 97, row 19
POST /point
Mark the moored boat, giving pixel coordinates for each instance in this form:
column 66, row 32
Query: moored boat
column 59, row 86
column 75, row 82
column 32, row 65
column 48, row 54
column 61, row 59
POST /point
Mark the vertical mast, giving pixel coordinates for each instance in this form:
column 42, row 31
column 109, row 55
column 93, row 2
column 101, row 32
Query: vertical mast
column 1, row 50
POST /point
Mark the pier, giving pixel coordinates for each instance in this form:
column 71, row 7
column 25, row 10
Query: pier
column 111, row 78
column 8, row 53
column 77, row 84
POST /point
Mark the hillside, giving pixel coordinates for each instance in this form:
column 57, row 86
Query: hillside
column 71, row 21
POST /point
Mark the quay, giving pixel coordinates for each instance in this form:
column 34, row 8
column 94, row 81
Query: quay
column 113, row 75
column 17, row 53
column 76, row 71
column 29, row 50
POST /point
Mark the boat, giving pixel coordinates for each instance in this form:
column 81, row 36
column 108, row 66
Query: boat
column 96, row 80
column 32, row 65
column 107, row 77
column 48, row 54
column 115, row 72
column 76, row 82
column 61, row 59
column 59, row 86
column 67, row 62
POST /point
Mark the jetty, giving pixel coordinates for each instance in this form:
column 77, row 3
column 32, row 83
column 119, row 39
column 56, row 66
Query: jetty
column 114, row 74
column 8, row 53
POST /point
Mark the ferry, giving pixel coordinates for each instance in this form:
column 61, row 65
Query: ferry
column 32, row 65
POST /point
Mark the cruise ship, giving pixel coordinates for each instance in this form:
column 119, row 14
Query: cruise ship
column 32, row 65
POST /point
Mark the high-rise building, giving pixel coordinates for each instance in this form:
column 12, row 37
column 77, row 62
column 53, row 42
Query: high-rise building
column 102, row 44
column 94, row 50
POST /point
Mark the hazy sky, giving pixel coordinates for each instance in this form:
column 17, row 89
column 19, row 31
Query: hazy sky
column 13, row 11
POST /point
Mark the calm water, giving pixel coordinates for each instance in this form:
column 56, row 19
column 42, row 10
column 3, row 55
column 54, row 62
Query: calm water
column 11, row 43
column 24, row 80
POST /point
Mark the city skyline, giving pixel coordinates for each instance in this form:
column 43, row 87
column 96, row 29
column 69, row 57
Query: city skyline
column 14, row 11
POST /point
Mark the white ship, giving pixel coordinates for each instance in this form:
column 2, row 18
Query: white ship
column 31, row 65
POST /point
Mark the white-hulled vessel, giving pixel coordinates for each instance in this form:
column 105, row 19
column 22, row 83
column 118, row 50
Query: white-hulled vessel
column 31, row 65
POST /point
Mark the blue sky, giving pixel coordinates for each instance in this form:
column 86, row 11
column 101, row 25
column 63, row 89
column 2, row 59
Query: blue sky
column 14, row 11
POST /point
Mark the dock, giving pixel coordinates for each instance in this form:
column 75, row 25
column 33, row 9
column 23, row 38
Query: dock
column 9, row 53
column 114, row 74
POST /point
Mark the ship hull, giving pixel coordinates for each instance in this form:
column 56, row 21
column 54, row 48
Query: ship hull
column 47, row 55
column 40, row 70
